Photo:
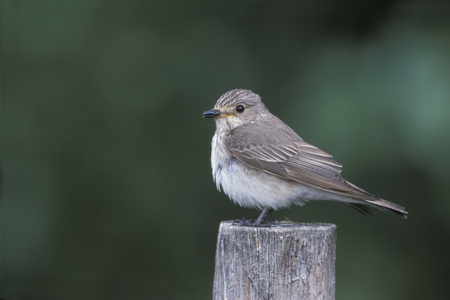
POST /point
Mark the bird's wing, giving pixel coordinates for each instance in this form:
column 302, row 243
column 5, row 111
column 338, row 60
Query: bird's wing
column 291, row 158
column 278, row 150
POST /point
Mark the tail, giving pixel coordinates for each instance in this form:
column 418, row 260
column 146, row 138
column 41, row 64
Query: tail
column 389, row 207
column 372, row 200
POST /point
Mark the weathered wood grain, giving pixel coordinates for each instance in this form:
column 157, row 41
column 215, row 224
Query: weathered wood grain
column 285, row 261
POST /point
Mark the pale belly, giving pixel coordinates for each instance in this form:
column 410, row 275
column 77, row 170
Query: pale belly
column 253, row 188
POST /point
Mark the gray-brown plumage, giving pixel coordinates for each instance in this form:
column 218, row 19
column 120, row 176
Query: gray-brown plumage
column 261, row 162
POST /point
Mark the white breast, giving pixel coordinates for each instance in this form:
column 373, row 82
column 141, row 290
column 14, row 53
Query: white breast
column 246, row 186
column 253, row 188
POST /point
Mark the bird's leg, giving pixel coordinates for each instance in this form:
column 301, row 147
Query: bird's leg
column 263, row 216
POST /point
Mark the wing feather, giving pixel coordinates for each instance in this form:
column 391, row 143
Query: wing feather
column 291, row 158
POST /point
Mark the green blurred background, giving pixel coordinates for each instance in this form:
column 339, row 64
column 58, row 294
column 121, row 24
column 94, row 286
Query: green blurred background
column 107, row 190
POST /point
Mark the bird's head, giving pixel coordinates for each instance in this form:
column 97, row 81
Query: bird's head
column 236, row 108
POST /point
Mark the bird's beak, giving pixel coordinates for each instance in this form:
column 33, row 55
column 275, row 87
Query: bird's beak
column 212, row 113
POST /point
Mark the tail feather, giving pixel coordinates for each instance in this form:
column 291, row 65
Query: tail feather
column 364, row 209
column 389, row 207
column 374, row 201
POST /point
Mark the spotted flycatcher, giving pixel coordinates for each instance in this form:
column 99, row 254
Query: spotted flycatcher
column 261, row 162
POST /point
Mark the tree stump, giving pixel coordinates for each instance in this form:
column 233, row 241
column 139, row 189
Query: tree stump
column 282, row 261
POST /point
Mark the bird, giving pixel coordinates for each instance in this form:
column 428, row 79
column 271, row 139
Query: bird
column 260, row 162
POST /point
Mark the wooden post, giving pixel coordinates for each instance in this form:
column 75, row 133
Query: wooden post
column 283, row 261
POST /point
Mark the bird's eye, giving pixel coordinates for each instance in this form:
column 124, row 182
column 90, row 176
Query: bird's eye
column 240, row 108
